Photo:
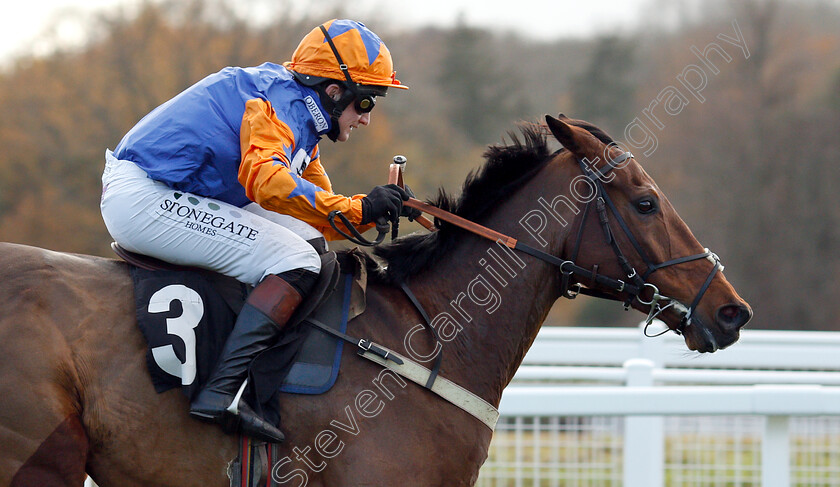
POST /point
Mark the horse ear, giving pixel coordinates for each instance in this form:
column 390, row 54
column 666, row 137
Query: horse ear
column 563, row 133
column 563, row 116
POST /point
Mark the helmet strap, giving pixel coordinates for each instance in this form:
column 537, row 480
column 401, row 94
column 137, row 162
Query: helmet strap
column 334, row 107
column 343, row 67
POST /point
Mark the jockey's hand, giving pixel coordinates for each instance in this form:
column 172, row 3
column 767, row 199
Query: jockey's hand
column 383, row 202
column 407, row 211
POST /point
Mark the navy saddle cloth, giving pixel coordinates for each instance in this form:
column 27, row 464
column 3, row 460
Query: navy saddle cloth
column 186, row 316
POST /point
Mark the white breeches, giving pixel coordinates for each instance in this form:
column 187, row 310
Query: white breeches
column 148, row 217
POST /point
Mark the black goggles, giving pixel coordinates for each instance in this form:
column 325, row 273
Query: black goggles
column 364, row 103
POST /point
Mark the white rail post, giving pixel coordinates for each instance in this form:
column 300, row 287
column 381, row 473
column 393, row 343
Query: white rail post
column 775, row 452
column 644, row 437
column 654, row 349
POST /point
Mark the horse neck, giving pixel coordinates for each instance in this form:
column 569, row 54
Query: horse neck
column 494, row 299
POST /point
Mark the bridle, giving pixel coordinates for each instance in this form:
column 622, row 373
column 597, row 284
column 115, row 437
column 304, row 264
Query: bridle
column 636, row 284
column 631, row 288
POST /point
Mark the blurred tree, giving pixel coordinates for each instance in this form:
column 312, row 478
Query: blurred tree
column 833, row 97
column 604, row 93
column 481, row 98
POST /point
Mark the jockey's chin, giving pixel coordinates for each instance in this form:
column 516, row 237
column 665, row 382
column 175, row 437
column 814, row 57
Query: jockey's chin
column 349, row 120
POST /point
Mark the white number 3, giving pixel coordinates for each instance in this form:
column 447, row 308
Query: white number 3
column 182, row 326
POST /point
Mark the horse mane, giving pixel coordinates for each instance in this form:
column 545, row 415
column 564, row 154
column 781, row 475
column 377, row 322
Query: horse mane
column 507, row 168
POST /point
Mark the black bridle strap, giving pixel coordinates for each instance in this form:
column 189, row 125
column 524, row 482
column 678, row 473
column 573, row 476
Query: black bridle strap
column 700, row 293
column 624, row 227
column 612, row 164
column 602, row 202
column 427, row 323
column 567, row 267
column 566, row 276
column 579, row 238
column 680, row 260
column 606, row 282
column 597, row 176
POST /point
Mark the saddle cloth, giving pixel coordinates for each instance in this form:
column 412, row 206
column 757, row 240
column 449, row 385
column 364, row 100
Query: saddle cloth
column 186, row 316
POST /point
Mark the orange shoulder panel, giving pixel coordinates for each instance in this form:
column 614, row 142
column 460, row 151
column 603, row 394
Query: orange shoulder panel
column 266, row 145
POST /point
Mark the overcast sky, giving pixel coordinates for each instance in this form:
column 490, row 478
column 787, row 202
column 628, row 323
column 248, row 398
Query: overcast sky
column 32, row 26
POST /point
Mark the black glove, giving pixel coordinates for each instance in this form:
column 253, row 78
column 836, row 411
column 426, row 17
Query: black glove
column 407, row 211
column 383, row 202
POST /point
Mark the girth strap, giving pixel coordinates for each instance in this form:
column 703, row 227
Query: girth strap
column 443, row 387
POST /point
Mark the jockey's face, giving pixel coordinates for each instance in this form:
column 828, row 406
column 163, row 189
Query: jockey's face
column 350, row 118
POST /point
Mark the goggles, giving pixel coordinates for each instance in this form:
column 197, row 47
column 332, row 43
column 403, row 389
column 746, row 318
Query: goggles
column 364, row 103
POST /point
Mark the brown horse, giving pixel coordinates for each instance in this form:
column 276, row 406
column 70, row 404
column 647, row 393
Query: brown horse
column 75, row 395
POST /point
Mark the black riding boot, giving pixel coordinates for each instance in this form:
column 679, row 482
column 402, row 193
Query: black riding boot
column 266, row 311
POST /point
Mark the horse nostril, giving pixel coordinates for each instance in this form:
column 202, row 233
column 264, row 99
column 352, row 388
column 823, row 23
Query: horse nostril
column 733, row 316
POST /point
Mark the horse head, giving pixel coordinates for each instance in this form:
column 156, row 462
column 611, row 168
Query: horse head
column 644, row 245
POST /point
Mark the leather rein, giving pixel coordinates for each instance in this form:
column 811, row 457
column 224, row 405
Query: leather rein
column 603, row 286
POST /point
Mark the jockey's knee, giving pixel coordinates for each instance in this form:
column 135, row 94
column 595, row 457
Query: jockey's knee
column 300, row 267
column 302, row 280
column 309, row 260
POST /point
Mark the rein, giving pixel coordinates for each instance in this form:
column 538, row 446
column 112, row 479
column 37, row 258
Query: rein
column 356, row 237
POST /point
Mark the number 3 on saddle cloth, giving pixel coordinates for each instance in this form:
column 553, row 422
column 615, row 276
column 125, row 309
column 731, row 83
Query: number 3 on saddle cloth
column 187, row 314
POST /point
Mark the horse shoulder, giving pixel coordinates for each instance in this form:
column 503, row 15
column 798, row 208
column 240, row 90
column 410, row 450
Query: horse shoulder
column 387, row 427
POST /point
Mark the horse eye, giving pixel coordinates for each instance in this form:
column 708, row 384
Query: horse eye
column 646, row 206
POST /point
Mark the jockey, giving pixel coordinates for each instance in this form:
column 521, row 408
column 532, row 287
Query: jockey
column 227, row 176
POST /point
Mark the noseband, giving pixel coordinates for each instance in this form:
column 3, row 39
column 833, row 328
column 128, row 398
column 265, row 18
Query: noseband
column 635, row 284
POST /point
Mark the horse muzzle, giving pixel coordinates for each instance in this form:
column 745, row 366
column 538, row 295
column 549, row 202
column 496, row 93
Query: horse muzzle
column 701, row 333
column 725, row 330
column 732, row 317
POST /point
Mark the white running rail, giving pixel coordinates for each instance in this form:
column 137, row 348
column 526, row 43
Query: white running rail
column 618, row 372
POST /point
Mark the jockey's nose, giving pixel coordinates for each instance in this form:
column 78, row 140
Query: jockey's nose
column 365, row 118
column 731, row 317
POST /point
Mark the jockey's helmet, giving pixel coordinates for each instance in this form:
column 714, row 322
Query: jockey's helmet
column 366, row 57
column 347, row 52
